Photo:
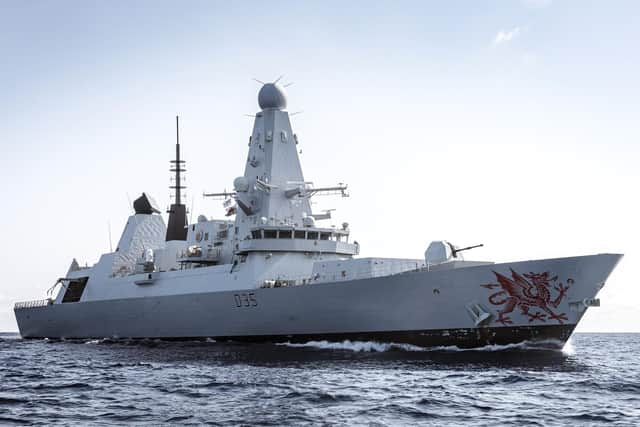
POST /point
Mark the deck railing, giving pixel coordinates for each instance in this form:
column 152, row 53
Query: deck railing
column 32, row 304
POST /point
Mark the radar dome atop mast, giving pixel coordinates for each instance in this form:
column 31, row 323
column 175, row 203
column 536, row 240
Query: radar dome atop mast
column 272, row 95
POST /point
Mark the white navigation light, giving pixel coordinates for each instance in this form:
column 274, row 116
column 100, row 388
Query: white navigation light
column 272, row 95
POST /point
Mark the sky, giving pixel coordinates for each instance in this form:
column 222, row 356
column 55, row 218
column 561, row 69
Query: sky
column 508, row 123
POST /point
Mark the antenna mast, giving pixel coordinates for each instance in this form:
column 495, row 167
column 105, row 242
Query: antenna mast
column 178, row 165
column 177, row 227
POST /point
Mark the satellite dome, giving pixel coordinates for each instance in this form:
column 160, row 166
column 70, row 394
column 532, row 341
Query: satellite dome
column 272, row 95
column 241, row 184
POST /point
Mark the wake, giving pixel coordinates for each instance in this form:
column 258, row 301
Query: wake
column 375, row 346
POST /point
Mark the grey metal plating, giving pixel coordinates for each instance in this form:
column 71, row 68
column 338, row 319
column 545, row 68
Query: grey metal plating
column 403, row 302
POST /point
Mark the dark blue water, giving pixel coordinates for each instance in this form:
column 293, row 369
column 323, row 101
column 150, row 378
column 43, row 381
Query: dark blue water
column 595, row 380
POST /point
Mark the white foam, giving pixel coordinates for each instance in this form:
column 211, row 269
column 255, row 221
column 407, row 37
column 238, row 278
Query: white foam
column 523, row 345
column 356, row 346
column 374, row 346
column 568, row 348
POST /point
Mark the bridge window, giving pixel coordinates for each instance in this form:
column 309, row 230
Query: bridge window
column 270, row 234
column 325, row 236
column 312, row 235
column 285, row 234
column 299, row 234
column 256, row 234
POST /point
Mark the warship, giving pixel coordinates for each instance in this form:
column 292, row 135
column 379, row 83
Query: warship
column 270, row 271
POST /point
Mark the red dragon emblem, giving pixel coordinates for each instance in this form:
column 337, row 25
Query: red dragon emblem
column 528, row 291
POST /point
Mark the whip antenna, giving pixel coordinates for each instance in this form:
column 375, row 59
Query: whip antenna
column 110, row 244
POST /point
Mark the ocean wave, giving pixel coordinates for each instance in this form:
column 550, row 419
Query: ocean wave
column 544, row 345
column 12, row 400
column 356, row 346
column 178, row 418
column 590, row 417
column 375, row 346
column 71, row 385
column 318, row 397
column 401, row 410
column 568, row 348
column 322, row 383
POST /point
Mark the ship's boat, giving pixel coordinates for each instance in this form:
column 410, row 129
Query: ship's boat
column 270, row 271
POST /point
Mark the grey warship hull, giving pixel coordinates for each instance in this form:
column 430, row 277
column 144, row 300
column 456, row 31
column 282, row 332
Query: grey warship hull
column 275, row 273
column 466, row 307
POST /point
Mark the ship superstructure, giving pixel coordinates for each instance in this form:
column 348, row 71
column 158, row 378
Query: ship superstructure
column 276, row 272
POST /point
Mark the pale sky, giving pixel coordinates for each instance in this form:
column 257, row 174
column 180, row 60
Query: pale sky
column 509, row 123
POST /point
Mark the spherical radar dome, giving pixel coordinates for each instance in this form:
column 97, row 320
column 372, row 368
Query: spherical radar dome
column 241, row 184
column 272, row 95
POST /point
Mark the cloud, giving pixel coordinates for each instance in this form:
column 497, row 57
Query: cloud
column 505, row 36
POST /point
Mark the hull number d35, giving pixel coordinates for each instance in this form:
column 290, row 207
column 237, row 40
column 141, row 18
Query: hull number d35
column 245, row 300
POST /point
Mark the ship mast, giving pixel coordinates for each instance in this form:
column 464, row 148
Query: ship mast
column 177, row 227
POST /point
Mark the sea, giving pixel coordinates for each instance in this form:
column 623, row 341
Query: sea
column 593, row 380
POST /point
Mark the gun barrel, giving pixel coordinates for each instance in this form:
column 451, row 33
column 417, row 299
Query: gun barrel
column 455, row 251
